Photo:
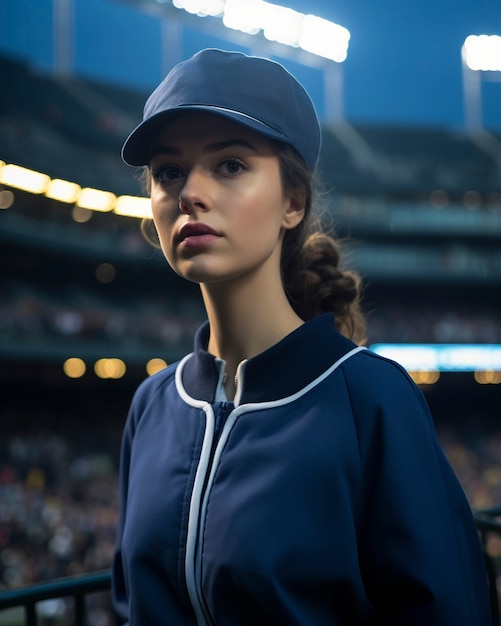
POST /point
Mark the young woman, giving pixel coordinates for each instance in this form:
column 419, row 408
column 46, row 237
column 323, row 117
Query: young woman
column 281, row 473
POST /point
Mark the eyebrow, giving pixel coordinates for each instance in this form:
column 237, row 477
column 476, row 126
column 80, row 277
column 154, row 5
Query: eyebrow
column 211, row 147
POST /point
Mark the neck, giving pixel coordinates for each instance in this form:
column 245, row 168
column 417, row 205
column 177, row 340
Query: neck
column 246, row 318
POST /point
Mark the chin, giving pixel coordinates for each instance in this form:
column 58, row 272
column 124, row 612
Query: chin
column 195, row 274
column 203, row 272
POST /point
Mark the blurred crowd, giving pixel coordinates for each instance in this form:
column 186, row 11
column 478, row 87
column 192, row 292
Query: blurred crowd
column 58, row 510
column 57, row 514
column 32, row 315
column 435, row 324
column 59, row 498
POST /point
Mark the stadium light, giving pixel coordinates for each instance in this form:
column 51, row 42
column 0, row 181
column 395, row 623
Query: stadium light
column 70, row 193
column 6, row 199
column 487, row 377
column 155, row 365
column 277, row 23
column 23, row 178
column 202, row 8
column 482, row 53
column 131, row 206
column 96, row 200
column 324, row 38
column 425, row 377
column 63, row 191
column 443, row 357
column 282, row 25
column 110, row 368
column 286, row 26
column 74, row 367
column 479, row 54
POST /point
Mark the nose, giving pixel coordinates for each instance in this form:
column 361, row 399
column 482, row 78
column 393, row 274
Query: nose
column 191, row 198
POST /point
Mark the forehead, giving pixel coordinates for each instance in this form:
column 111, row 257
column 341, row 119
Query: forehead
column 202, row 128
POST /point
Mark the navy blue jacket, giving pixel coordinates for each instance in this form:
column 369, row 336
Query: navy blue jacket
column 320, row 497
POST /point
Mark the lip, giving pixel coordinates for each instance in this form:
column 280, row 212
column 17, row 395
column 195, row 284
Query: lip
column 196, row 234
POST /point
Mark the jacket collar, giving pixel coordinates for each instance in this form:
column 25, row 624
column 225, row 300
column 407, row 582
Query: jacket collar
column 278, row 372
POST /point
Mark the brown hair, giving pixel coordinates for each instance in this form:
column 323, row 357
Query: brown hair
column 312, row 275
column 314, row 280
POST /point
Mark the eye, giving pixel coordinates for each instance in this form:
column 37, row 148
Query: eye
column 166, row 174
column 232, row 166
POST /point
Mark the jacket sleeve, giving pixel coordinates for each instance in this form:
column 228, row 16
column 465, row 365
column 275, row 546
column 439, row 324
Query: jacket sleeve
column 420, row 553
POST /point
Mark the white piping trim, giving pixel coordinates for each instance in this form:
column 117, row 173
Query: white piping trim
column 272, row 403
column 198, row 508
column 246, row 408
column 239, row 378
column 200, row 404
column 192, row 537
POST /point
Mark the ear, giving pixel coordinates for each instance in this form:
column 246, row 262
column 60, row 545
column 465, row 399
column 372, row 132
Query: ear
column 294, row 210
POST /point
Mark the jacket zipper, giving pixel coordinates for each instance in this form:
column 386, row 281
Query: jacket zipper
column 193, row 563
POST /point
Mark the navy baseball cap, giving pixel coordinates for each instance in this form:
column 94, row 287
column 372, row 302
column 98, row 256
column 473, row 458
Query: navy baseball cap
column 255, row 92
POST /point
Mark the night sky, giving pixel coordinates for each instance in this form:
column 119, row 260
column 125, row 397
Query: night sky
column 403, row 67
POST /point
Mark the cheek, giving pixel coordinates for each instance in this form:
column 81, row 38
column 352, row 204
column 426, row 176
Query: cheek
column 164, row 221
column 266, row 213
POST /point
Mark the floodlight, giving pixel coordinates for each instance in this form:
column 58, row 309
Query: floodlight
column 424, row 377
column 443, row 357
column 286, row 26
column 70, row 193
column 6, row 199
column 202, row 8
column 324, row 38
column 109, row 368
column 96, row 200
column 282, row 25
column 487, row 377
column 479, row 54
column 23, row 178
column 131, row 206
column 482, row 53
column 74, row 367
column 154, row 365
column 63, row 191
column 244, row 16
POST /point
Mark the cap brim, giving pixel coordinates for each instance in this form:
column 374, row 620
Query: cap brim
column 137, row 147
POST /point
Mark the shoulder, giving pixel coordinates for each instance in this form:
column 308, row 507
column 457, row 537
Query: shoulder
column 377, row 374
column 382, row 392
column 150, row 399
column 154, row 385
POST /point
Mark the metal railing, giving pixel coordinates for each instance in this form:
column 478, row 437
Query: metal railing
column 75, row 587
column 79, row 587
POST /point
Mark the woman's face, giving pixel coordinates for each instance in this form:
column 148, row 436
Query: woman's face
column 217, row 199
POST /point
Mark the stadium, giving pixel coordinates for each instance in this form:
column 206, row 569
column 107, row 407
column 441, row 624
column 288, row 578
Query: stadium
column 89, row 309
